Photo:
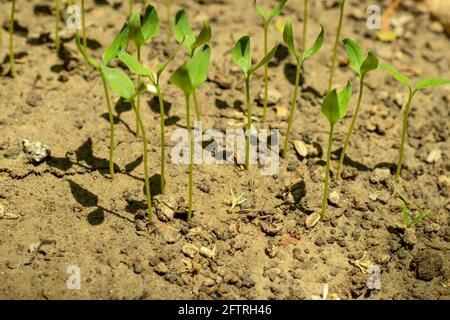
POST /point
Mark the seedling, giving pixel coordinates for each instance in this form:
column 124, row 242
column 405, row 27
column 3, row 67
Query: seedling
column 409, row 221
column 130, row 10
column 11, row 40
column 266, row 19
column 362, row 64
column 412, row 90
column 300, row 58
column 187, row 78
column 336, row 43
column 57, row 18
column 137, row 68
column 141, row 31
column 184, row 35
column 242, row 56
column 83, row 23
column 334, row 108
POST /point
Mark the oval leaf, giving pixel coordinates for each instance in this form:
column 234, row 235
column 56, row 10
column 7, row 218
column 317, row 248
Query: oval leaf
column 113, row 49
column 369, row 64
column 242, row 54
column 355, row 55
column 316, row 46
column 277, row 10
column 180, row 78
column 330, row 107
column 396, row 74
column 150, row 24
column 344, row 99
column 182, row 29
column 288, row 38
column 203, row 37
column 198, row 66
column 135, row 32
column 134, row 65
column 431, row 83
column 265, row 60
column 119, row 82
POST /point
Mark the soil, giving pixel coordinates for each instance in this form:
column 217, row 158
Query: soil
column 69, row 212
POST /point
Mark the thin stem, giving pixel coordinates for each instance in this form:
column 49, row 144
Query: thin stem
column 327, row 173
column 83, row 21
column 305, row 25
column 11, row 40
column 404, row 134
column 147, row 183
column 162, row 128
column 131, row 7
column 111, row 127
column 197, row 107
column 249, row 123
column 266, row 75
column 293, row 106
column 169, row 19
column 191, row 156
column 57, row 18
column 335, row 47
column 138, row 97
column 347, row 138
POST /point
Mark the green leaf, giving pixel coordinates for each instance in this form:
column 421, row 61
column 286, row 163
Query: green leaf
column 150, row 25
column 182, row 29
column 260, row 12
column 203, row 37
column 135, row 29
column 369, row 64
column 355, row 55
column 335, row 104
column 163, row 65
column 344, row 99
column 316, row 46
column 134, row 65
column 277, row 10
column 89, row 60
column 113, row 49
column 119, row 82
column 198, row 66
column 180, row 78
column 242, row 54
column 288, row 38
column 265, row 60
column 396, row 74
column 420, row 217
column 406, row 216
column 431, row 83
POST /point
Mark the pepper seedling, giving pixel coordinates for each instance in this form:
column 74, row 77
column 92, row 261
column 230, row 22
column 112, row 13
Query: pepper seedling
column 412, row 90
column 409, row 221
column 362, row 65
column 242, row 56
column 184, row 35
column 336, row 43
column 266, row 19
column 334, row 108
column 300, row 58
column 11, row 40
column 142, row 29
column 187, row 78
column 155, row 78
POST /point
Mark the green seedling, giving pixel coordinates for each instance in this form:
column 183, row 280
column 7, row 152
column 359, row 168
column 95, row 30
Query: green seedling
column 242, row 56
column 83, row 25
column 336, row 44
column 11, row 39
column 57, row 18
column 184, row 35
column 137, row 68
column 266, row 19
column 130, row 8
column 305, row 24
column 110, row 53
column 300, row 58
column 142, row 29
column 412, row 90
column 409, row 221
column 334, row 108
column 362, row 65
column 187, row 78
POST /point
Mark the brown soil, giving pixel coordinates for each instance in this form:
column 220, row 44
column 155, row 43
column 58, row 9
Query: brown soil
column 79, row 216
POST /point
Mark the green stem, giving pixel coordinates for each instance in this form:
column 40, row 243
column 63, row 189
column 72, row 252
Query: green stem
column 347, row 138
column 111, row 127
column 404, row 134
column 161, row 111
column 57, row 18
column 131, row 7
column 327, row 173
column 249, row 123
column 197, row 107
column 293, row 106
column 11, row 40
column 335, row 47
column 138, row 97
column 266, row 75
column 83, row 21
column 191, row 157
column 305, row 25
column 147, row 183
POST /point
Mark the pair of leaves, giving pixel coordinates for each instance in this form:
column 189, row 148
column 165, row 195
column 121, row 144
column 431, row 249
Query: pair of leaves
column 184, row 34
column 192, row 74
column 142, row 29
column 288, row 38
column 273, row 13
column 360, row 63
column 335, row 104
column 407, row 217
column 242, row 56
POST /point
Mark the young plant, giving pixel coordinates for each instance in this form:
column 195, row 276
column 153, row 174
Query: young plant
column 83, row 26
column 305, row 24
column 184, row 35
column 336, row 43
column 412, row 90
column 334, row 108
column 130, row 10
column 300, row 58
column 11, row 39
column 362, row 64
column 187, row 78
column 266, row 19
column 409, row 221
column 142, row 29
column 242, row 57
column 57, row 18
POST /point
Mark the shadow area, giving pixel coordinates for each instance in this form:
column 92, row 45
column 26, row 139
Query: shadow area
column 349, row 162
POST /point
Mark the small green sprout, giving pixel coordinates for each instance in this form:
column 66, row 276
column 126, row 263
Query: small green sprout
column 187, row 78
column 305, row 24
column 336, row 43
column 11, row 40
column 300, row 58
column 334, row 108
column 266, row 19
column 142, row 29
column 412, row 90
column 184, row 35
column 242, row 57
column 409, row 221
column 130, row 7
column 362, row 65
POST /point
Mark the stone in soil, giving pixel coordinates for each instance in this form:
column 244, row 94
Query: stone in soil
column 427, row 265
column 35, row 151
